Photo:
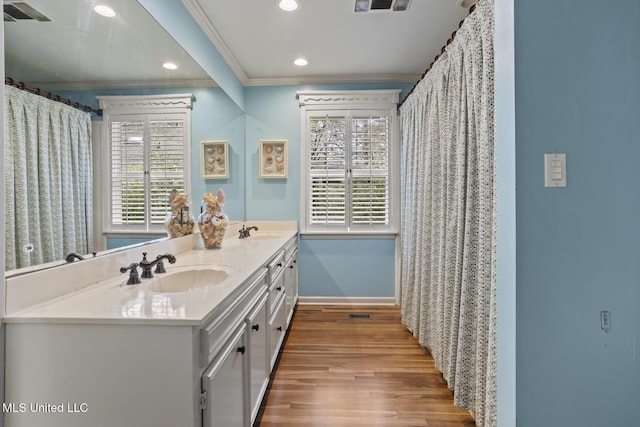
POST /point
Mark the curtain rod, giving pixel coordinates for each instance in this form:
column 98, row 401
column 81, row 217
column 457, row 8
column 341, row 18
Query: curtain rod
column 453, row 35
column 49, row 95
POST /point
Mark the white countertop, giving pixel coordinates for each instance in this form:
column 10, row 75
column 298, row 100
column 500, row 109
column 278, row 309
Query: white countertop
column 112, row 301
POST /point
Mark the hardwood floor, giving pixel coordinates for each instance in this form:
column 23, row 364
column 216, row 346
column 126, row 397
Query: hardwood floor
column 341, row 371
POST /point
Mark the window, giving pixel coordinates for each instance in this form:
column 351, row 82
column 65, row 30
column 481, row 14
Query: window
column 350, row 156
column 148, row 155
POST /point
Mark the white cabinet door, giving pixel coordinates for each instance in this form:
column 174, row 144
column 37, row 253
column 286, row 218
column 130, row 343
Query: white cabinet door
column 257, row 328
column 277, row 329
column 223, row 384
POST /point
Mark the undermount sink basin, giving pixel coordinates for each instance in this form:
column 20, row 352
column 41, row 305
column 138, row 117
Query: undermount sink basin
column 188, row 279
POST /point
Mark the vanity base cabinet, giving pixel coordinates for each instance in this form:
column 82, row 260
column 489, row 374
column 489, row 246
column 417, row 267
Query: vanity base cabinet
column 211, row 372
column 223, row 386
column 71, row 375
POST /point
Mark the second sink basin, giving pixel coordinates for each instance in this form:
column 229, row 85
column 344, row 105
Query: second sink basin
column 187, row 279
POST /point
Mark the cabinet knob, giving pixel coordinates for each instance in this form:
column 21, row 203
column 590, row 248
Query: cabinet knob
column 242, row 349
column 291, row 266
column 279, row 264
column 255, row 327
column 279, row 328
column 279, row 288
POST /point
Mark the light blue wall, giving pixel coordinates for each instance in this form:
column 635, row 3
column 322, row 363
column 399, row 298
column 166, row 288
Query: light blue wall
column 347, row 268
column 506, row 213
column 272, row 113
column 578, row 92
column 327, row 268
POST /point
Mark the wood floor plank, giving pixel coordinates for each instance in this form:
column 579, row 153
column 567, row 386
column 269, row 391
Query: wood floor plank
column 338, row 371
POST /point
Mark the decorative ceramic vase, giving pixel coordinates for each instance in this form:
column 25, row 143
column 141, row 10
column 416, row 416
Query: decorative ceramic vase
column 213, row 221
column 179, row 222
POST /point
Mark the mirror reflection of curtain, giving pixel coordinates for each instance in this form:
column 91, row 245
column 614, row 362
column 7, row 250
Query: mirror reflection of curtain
column 48, row 180
column 448, row 280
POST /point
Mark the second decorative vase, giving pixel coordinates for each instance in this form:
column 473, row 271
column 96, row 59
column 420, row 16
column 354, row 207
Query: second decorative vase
column 213, row 221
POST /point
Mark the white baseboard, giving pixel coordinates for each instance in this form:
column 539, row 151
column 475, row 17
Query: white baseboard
column 346, row 301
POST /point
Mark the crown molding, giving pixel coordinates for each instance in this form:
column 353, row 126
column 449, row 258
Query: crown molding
column 134, row 84
column 336, row 78
column 197, row 12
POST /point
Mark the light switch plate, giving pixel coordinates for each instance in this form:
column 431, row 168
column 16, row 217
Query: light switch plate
column 555, row 170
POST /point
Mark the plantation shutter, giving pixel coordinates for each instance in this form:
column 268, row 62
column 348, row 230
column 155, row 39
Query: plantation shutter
column 370, row 142
column 327, row 170
column 350, row 163
column 145, row 155
column 348, row 170
column 147, row 162
column 166, row 168
column 127, row 173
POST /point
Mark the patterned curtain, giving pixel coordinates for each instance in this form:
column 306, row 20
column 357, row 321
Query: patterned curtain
column 48, row 180
column 448, row 284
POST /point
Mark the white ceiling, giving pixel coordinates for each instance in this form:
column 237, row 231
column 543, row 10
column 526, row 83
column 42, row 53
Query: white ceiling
column 260, row 41
column 79, row 49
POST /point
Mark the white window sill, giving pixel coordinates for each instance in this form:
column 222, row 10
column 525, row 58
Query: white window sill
column 135, row 234
column 347, row 235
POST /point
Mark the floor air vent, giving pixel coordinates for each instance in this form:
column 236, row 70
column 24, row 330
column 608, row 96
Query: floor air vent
column 359, row 316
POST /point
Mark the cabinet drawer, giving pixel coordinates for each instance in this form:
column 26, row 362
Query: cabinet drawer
column 276, row 290
column 218, row 331
column 275, row 266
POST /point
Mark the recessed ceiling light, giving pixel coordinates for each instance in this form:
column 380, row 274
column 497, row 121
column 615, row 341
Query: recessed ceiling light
column 301, row 62
column 103, row 10
column 170, row 66
column 288, row 5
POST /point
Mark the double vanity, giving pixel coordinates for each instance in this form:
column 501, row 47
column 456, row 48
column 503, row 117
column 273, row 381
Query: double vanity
column 194, row 346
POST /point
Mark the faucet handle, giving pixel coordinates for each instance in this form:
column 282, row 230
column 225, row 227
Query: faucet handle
column 134, row 278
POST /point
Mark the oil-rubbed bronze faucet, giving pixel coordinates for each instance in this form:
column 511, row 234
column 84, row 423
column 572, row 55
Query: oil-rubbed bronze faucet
column 148, row 265
column 244, row 232
column 73, row 256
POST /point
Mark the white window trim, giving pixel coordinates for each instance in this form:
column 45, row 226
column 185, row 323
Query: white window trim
column 130, row 105
column 311, row 101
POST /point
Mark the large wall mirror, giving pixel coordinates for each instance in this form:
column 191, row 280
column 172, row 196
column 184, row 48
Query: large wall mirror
column 66, row 47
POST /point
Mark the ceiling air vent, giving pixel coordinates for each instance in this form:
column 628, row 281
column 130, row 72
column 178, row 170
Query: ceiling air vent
column 21, row 11
column 381, row 5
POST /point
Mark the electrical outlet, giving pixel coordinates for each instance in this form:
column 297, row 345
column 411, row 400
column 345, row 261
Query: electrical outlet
column 605, row 320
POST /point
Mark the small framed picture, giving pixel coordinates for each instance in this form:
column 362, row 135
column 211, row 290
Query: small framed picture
column 273, row 158
column 214, row 159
